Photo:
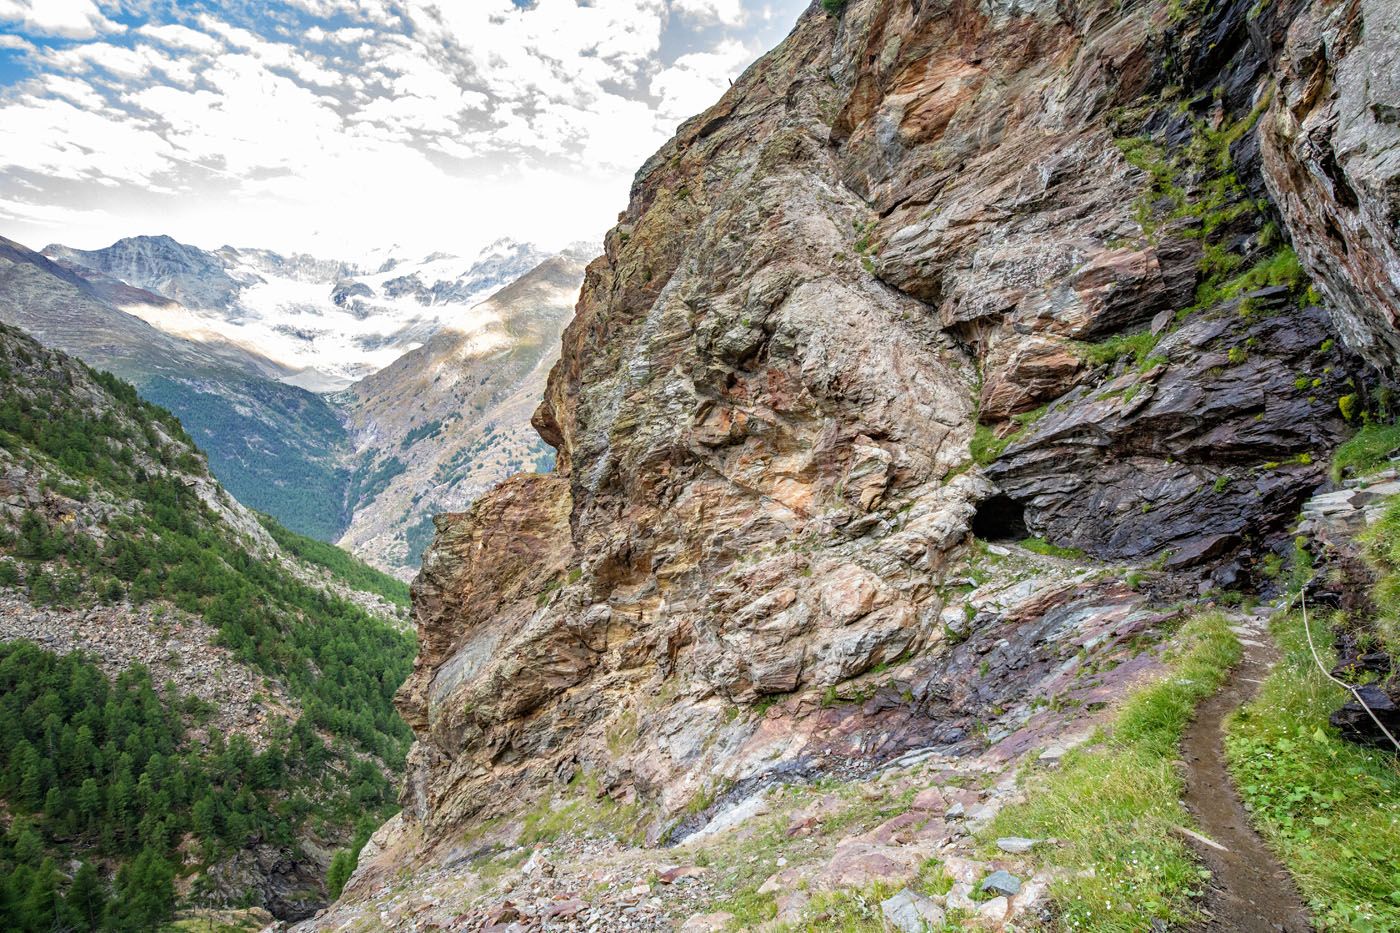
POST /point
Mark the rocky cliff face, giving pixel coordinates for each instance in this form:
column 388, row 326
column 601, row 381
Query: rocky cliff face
column 928, row 273
column 1331, row 149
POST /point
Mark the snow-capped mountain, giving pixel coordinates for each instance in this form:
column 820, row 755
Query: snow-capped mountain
column 352, row 399
column 329, row 322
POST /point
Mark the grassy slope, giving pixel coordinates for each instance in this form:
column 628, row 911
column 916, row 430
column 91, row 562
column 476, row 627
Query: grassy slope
column 1366, row 451
column 341, row 564
column 1113, row 804
column 1330, row 808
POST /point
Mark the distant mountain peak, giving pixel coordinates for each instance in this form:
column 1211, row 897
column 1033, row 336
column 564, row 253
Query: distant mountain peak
column 328, row 320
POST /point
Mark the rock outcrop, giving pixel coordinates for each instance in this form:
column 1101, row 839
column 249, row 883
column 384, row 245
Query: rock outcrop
column 925, row 266
column 1331, row 149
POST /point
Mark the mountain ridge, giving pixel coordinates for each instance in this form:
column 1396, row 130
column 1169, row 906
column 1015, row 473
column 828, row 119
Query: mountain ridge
column 284, row 449
column 327, row 321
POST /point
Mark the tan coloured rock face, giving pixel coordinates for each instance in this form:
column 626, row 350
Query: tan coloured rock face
column 756, row 441
column 897, row 224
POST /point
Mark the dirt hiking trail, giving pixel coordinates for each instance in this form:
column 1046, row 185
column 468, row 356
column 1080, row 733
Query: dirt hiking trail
column 1249, row 890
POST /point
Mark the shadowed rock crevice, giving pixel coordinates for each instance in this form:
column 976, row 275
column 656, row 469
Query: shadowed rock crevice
column 1000, row 518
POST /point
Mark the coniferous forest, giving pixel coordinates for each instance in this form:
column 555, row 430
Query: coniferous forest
column 118, row 794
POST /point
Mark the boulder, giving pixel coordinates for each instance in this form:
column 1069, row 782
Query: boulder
column 910, row 912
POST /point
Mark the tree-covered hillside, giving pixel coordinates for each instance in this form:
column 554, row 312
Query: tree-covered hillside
column 106, row 502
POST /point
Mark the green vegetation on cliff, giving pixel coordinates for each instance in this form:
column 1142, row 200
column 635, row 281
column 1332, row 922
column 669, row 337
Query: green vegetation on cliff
column 1368, row 450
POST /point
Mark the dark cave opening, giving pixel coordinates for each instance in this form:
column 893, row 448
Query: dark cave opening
column 1000, row 518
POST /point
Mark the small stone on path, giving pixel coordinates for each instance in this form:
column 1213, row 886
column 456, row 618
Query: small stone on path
column 1016, row 845
column 707, row 923
column 994, row 910
column 1002, row 882
column 910, row 912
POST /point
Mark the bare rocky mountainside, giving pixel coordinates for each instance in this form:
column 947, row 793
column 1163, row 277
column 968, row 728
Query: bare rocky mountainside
column 450, row 419
column 961, row 373
column 196, row 701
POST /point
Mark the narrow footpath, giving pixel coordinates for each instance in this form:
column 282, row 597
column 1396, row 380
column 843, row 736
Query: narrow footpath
column 1249, row 889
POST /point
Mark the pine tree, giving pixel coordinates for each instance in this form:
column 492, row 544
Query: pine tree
column 28, row 847
column 85, row 902
column 39, row 908
column 145, row 893
column 89, row 800
column 342, row 866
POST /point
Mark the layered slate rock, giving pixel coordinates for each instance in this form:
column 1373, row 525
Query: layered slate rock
column 1210, row 448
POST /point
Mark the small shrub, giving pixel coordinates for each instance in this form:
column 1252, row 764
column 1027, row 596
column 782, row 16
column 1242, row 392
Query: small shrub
column 1139, row 346
column 1349, row 405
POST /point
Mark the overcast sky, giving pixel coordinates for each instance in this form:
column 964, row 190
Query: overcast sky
column 340, row 126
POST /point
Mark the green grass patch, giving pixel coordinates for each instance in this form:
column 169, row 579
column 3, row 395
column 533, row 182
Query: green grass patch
column 1329, row 808
column 1368, row 450
column 1041, row 546
column 1139, row 346
column 581, row 810
column 1113, row 805
column 986, row 446
column 1382, row 544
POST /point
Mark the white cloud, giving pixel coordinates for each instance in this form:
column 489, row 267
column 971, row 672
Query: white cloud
column 71, row 19
column 699, row 79
column 182, row 37
column 435, row 123
column 49, row 215
column 729, row 12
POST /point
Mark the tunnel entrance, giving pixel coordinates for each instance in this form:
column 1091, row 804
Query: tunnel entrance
column 1000, row 518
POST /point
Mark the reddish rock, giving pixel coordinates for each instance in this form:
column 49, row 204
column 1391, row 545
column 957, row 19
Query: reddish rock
column 565, row 909
column 676, row 872
column 1024, row 372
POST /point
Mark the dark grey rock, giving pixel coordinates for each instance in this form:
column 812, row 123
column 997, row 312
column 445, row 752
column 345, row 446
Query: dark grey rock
column 1001, row 882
